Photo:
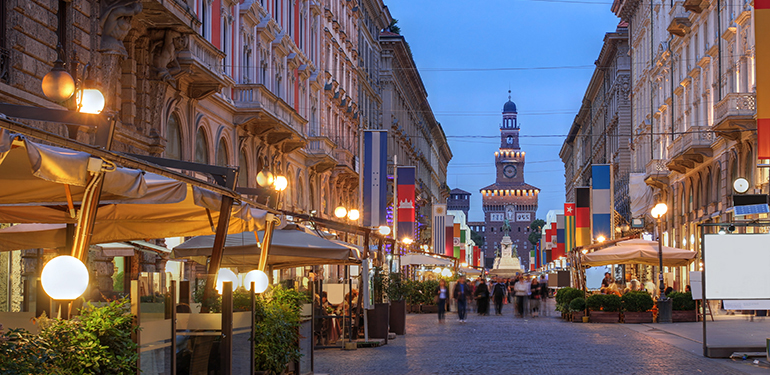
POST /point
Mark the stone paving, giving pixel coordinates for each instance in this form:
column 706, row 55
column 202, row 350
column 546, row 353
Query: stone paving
column 508, row 345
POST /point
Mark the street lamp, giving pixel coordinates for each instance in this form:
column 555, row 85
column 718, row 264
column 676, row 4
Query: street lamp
column 259, row 279
column 601, row 239
column 340, row 212
column 384, row 230
column 64, row 278
column 664, row 306
column 265, row 178
column 407, row 241
column 223, row 275
column 58, row 84
column 280, row 183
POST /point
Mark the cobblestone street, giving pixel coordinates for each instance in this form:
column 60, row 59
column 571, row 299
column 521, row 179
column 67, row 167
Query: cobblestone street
column 505, row 345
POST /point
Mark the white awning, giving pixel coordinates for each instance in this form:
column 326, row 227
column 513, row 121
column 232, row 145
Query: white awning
column 419, row 258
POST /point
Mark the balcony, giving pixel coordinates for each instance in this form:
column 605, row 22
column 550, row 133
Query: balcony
column 696, row 6
column 690, row 149
column 320, row 154
column 734, row 114
column 262, row 114
column 656, row 173
column 347, row 162
column 680, row 22
column 164, row 14
column 204, row 62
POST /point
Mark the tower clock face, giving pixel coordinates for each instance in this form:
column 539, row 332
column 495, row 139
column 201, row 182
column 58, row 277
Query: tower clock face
column 510, row 171
column 509, row 140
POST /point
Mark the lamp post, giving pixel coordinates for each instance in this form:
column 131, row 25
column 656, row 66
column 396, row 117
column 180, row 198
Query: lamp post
column 64, row 279
column 664, row 304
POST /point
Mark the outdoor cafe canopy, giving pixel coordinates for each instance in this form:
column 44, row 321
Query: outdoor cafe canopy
column 42, row 184
column 424, row 259
column 289, row 248
column 638, row 251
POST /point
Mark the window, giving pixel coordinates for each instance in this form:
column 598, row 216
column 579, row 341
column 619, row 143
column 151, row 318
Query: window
column 201, row 147
column 222, row 159
column 689, row 199
column 718, row 190
column 205, row 19
column 173, row 139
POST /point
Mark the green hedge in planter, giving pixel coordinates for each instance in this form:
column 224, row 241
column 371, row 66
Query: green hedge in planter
column 276, row 332
column 97, row 341
column 577, row 304
column 564, row 296
column 604, row 302
column 682, row 301
column 637, row 301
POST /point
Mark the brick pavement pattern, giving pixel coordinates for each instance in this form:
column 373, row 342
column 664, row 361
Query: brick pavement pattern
column 507, row 345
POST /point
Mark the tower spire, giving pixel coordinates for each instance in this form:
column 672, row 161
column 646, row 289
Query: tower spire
column 509, row 94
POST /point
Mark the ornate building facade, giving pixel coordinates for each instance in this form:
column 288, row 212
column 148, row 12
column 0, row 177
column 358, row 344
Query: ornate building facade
column 601, row 130
column 414, row 136
column 510, row 200
column 693, row 99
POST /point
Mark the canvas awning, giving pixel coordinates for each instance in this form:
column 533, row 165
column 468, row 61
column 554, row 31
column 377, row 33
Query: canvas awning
column 34, row 184
column 470, row 271
column 289, row 248
column 126, row 249
column 418, row 259
column 638, row 251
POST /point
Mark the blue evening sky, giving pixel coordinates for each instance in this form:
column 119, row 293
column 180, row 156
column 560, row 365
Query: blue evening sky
column 483, row 38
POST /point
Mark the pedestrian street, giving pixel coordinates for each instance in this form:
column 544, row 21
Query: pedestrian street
column 507, row 345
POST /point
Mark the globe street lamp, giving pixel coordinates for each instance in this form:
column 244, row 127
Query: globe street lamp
column 64, row 279
column 259, row 279
column 384, row 230
column 340, row 212
column 664, row 306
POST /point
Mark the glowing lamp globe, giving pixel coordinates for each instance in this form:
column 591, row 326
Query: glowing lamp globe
column 340, row 212
column 354, row 215
column 280, row 183
column 64, row 278
column 384, row 230
column 265, row 178
column 91, row 101
column 446, row 272
column 58, row 85
column 259, row 279
column 223, row 275
column 437, row 270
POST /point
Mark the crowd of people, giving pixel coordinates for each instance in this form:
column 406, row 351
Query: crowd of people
column 611, row 286
column 528, row 294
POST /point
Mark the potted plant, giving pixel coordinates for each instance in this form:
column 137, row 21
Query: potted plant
column 577, row 306
column 378, row 317
column 564, row 297
column 428, row 293
column 604, row 308
column 683, row 307
column 397, row 291
column 637, row 307
column 276, row 331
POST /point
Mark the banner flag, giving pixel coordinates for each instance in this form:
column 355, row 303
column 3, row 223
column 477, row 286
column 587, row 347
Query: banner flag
column 375, row 189
column 601, row 201
column 582, row 216
column 569, row 226
column 449, row 234
column 406, row 179
column 439, row 234
column 456, row 234
column 559, row 235
column 762, row 59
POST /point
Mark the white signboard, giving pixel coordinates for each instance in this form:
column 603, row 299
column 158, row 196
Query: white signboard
column 696, row 285
column 736, row 266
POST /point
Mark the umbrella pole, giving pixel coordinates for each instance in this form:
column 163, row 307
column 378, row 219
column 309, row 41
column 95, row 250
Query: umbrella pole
column 266, row 241
column 216, row 252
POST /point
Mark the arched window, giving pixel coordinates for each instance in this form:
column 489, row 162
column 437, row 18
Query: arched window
column 734, row 170
column 749, row 167
column 689, row 199
column 243, row 171
column 222, row 159
column 173, row 139
column 707, row 191
column 698, row 194
column 201, row 147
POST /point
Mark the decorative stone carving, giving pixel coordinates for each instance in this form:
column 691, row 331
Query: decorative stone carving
column 115, row 20
column 165, row 49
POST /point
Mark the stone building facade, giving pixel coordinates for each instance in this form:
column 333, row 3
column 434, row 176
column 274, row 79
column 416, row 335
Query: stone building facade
column 693, row 100
column 415, row 137
column 601, row 130
column 510, row 199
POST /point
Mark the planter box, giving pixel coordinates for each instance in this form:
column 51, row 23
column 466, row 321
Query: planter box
column 604, row 317
column 566, row 316
column 684, row 316
column 577, row 316
column 412, row 308
column 631, row 317
column 429, row 309
column 398, row 317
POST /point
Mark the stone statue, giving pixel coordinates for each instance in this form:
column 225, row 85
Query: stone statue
column 116, row 23
column 165, row 49
column 506, row 227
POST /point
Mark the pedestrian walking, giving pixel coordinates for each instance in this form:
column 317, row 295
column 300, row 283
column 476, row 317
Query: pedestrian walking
column 498, row 293
column 535, row 296
column 442, row 295
column 461, row 294
column 481, row 295
column 544, row 296
column 520, row 290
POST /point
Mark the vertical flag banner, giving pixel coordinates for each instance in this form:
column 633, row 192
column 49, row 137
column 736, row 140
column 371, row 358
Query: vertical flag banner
column 456, row 232
column 449, row 234
column 476, row 256
column 559, row 236
column 601, row 201
column 582, row 216
column 569, row 226
column 406, row 180
column 463, row 245
column 439, row 234
column 375, row 177
column 762, row 55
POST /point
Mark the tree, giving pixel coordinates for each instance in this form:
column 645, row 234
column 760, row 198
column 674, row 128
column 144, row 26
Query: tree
column 477, row 238
column 393, row 28
column 535, row 231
